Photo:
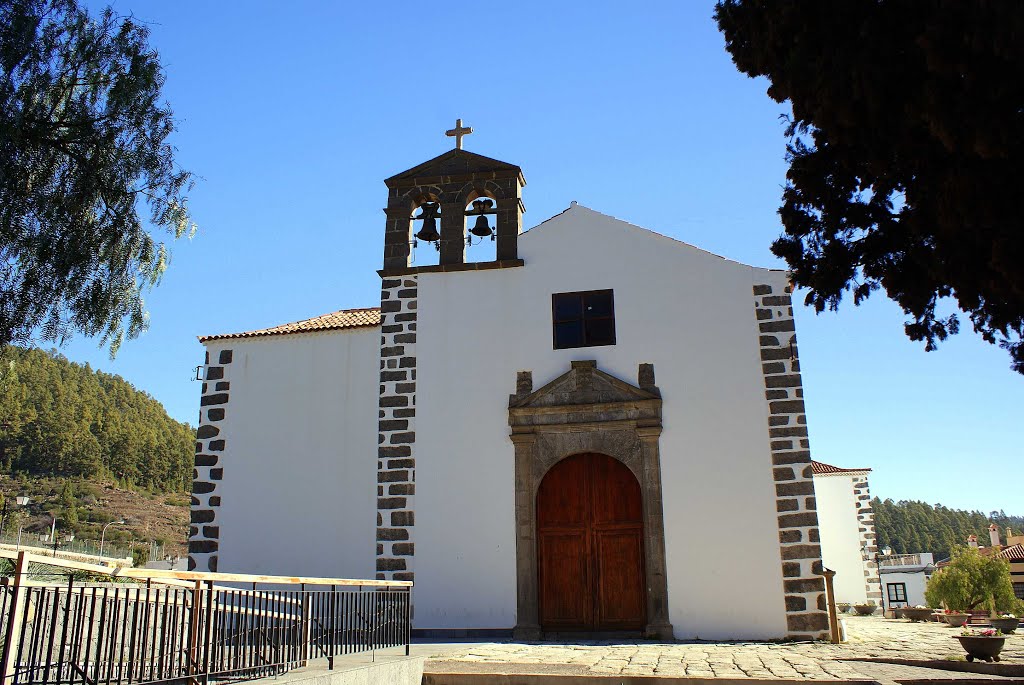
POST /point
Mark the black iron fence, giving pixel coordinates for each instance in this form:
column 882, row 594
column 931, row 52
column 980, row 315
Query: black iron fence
column 116, row 633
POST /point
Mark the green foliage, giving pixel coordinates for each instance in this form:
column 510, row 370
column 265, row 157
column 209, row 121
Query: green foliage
column 140, row 556
column 83, row 149
column 66, row 419
column 912, row 527
column 906, row 144
column 178, row 501
column 972, row 581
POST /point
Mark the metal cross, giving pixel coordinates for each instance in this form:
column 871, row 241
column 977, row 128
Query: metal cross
column 458, row 132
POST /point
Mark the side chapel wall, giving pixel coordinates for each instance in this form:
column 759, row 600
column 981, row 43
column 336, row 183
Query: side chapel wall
column 296, row 486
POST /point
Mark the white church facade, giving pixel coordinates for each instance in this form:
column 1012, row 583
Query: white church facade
column 601, row 431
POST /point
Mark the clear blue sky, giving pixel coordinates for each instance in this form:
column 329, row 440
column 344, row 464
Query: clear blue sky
column 292, row 114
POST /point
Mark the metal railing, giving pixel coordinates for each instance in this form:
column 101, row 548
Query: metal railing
column 192, row 630
column 41, row 544
column 895, row 560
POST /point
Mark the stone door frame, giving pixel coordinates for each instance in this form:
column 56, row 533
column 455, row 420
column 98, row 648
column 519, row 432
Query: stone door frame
column 587, row 410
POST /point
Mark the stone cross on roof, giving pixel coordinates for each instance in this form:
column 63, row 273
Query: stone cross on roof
column 458, row 132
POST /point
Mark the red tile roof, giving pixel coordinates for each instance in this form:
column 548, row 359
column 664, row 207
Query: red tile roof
column 821, row 468
column 346, row 318
column 1012, row 553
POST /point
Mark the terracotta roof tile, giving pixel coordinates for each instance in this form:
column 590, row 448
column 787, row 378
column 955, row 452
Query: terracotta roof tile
column 821, row 468
column 1012, row 553
column 346, row 318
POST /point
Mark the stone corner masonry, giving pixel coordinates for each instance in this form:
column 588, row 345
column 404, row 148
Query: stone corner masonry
column 866, row 528
column 211, row 444
column 799, row 538
column 396, row 429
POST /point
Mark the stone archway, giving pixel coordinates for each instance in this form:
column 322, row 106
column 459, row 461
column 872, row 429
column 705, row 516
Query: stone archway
column 587, row 410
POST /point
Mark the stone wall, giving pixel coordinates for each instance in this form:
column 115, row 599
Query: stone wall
column 866, row 527
column 396, row 438
column 204, row 533
column 799, row 540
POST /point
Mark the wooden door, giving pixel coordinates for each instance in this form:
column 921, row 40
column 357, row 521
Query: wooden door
column 590, row 546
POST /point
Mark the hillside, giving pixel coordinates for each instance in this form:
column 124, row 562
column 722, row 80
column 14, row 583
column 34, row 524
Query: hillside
column 88, row 448
column 59, row 418
column 81, row 508
column 909, row 527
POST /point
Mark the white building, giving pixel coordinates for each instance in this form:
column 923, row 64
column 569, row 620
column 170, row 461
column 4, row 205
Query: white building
column 847, row 530
column 548, row 441
column 904, row 578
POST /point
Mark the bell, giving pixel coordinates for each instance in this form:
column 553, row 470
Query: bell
column 428, row 214
column 428, row 233
column 481, row 228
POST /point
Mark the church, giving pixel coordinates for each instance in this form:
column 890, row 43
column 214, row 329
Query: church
column 600, row 430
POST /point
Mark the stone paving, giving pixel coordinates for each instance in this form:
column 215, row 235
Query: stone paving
column 869, row 638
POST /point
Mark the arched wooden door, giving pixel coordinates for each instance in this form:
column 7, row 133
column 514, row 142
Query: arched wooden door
column 590, row 551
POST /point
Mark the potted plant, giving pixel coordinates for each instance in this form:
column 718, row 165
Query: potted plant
column 957, row 619
column 917, row 613
column 984, row 645
column 865, row 609
column 1005, row 623
column 843, row 607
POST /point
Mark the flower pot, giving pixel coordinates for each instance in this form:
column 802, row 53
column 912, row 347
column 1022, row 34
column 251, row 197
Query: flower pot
column 1005, row 625
column 864, row 609
column 916, row 615
column 957, row 620
column 981, row 647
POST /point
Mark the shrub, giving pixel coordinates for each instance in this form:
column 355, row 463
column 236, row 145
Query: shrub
column 972, row 581
column 140, row 556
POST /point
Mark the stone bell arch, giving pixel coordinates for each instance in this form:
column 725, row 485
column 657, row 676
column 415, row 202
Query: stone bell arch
column 455, row 179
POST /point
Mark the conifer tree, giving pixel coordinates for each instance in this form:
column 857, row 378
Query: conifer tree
column 84, row 153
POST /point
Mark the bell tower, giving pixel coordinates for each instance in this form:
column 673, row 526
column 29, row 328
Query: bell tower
column 453, row 189
column 429, row 206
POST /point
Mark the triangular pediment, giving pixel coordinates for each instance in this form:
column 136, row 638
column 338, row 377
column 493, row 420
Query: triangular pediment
column 584, row 384
column 455, row 163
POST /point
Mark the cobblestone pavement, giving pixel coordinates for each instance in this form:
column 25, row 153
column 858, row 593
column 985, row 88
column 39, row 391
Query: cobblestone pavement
column 869, row 638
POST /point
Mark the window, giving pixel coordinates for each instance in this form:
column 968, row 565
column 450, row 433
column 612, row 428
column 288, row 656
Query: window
column 1018, row 590
column 585, row 319
column 897, row 592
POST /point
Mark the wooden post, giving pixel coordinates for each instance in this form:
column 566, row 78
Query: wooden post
column 193, row 633
column 830, row 598
column 208, row 631
column 14, row 619
column 306, row 625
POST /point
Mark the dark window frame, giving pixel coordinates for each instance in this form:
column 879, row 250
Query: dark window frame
column 583, row 318
column 889, row 587
column 1018, row 590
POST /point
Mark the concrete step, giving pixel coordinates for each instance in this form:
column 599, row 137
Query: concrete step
column 392, row 667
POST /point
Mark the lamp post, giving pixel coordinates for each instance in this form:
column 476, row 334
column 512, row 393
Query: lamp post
column 103, row 534
column 20, row 500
